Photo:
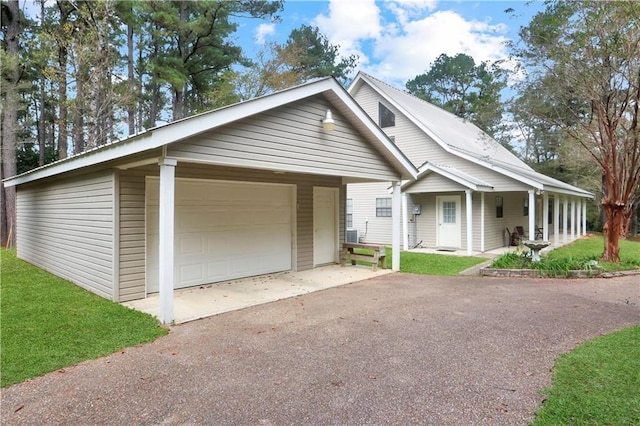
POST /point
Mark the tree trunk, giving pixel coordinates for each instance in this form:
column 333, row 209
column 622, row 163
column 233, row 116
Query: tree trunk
column 63, row 134
column 131, row 109
column 614, row 214
column 10, row 120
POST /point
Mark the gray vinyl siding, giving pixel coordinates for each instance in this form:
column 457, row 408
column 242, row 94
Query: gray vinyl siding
column 66, row 227
column 289, row 138
column 132, row 235
column 435, row 183
column 420, row 147
column 132, row 202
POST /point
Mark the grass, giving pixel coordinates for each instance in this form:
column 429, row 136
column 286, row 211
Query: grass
column 580, row 254
column 596, row 384
column 48, row 323
column 429, row 264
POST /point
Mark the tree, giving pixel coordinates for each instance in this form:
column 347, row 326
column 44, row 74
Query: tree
column 465, row 89
column 11, row 76
column 307, row 54
column 585, row 56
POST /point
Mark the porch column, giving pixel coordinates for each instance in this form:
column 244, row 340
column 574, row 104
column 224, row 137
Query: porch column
column 396, row 202
column 165, row 232
column 573, row 219
column 405, row 222
column 556, row 220
column 532, row 214
column 482, row 222
column 578, row 217
column 565, row 213
column 545, row 217
column 584, row 216
column 469, row 205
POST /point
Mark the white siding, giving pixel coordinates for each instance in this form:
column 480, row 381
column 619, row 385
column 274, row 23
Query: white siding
column 289, row 138
column 434, row 182
column 66, row 228
column 378, row 229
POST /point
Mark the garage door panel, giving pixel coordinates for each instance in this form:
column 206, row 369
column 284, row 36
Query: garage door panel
column 224, row 230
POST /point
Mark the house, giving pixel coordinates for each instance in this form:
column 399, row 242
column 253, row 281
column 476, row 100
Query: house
column 471, row 192
column 249, row 189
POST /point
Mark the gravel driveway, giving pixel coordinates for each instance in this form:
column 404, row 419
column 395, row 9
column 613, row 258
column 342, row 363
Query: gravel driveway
column 397, row 349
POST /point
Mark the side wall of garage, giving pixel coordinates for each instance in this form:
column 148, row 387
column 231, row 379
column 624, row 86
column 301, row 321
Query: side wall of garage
column 132, row 216
column 66, row 227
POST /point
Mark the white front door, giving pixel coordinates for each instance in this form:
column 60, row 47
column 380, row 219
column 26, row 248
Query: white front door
column 449, row 223
column 325, row 230
column 223, row 230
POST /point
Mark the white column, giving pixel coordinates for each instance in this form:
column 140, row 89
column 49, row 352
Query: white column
column 165, row 232
column 584, row 216
column 396, row 204
column 469, row 205
column 556, row 219
column 532, row 214
column 578, row 217
column 545, row 217
column 482, row 222
column 573, row 219
column 405, row 222
column 565, row 213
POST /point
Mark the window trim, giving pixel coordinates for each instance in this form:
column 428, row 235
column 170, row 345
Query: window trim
column 384, row 207
column 385, row 114
column 499, row 202
column 349, row 213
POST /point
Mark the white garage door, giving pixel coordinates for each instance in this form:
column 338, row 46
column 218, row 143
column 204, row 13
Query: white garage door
column 223, row 230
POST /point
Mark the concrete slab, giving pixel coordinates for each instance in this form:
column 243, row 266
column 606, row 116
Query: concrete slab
column 203, row 301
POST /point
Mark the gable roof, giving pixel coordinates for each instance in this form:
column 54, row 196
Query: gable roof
column 462, row 138
column 182, row 129
column 451, row 173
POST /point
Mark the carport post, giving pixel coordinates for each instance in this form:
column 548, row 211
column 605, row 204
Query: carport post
column 469, row 206
column 532, row 214
column 396, row 203
column 165, row 232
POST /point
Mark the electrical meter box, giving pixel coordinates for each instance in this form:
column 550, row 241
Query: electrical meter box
column 417, row 209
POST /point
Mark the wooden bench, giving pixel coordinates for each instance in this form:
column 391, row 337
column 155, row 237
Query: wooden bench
column 379, row 253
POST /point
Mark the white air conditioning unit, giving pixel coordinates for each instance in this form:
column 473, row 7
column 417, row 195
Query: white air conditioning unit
column 352, row 236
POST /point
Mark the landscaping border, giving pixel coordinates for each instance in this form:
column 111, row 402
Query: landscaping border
column 534, row 273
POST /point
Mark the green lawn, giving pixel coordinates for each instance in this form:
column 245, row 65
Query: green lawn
column 583, row 253
column 48, row 323
column 429, row 264
column 592, row 247
column 596, row 384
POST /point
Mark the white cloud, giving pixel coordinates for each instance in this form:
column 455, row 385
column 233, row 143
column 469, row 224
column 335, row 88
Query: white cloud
column 348, row 23
column 264, row 30
column 406, row 54
column 404, row 37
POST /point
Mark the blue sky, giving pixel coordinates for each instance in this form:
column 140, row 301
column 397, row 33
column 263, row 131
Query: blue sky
column 397, row 40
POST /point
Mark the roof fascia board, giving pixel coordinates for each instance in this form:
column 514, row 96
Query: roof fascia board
column 582, row 194
column 106, row 153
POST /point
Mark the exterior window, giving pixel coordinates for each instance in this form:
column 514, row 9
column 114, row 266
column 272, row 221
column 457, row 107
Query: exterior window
column 386, row 117
column 383, row 207
column 550, row 217
column 525, row 207
column 349, row 213
column 449, row 212
column 499, row 206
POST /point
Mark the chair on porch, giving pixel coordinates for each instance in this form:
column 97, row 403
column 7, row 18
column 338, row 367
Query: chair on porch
column 521, row 234
column 514, row 237
column 539, row 233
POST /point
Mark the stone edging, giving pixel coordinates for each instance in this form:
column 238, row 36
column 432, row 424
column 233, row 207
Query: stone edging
column 534, row 273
